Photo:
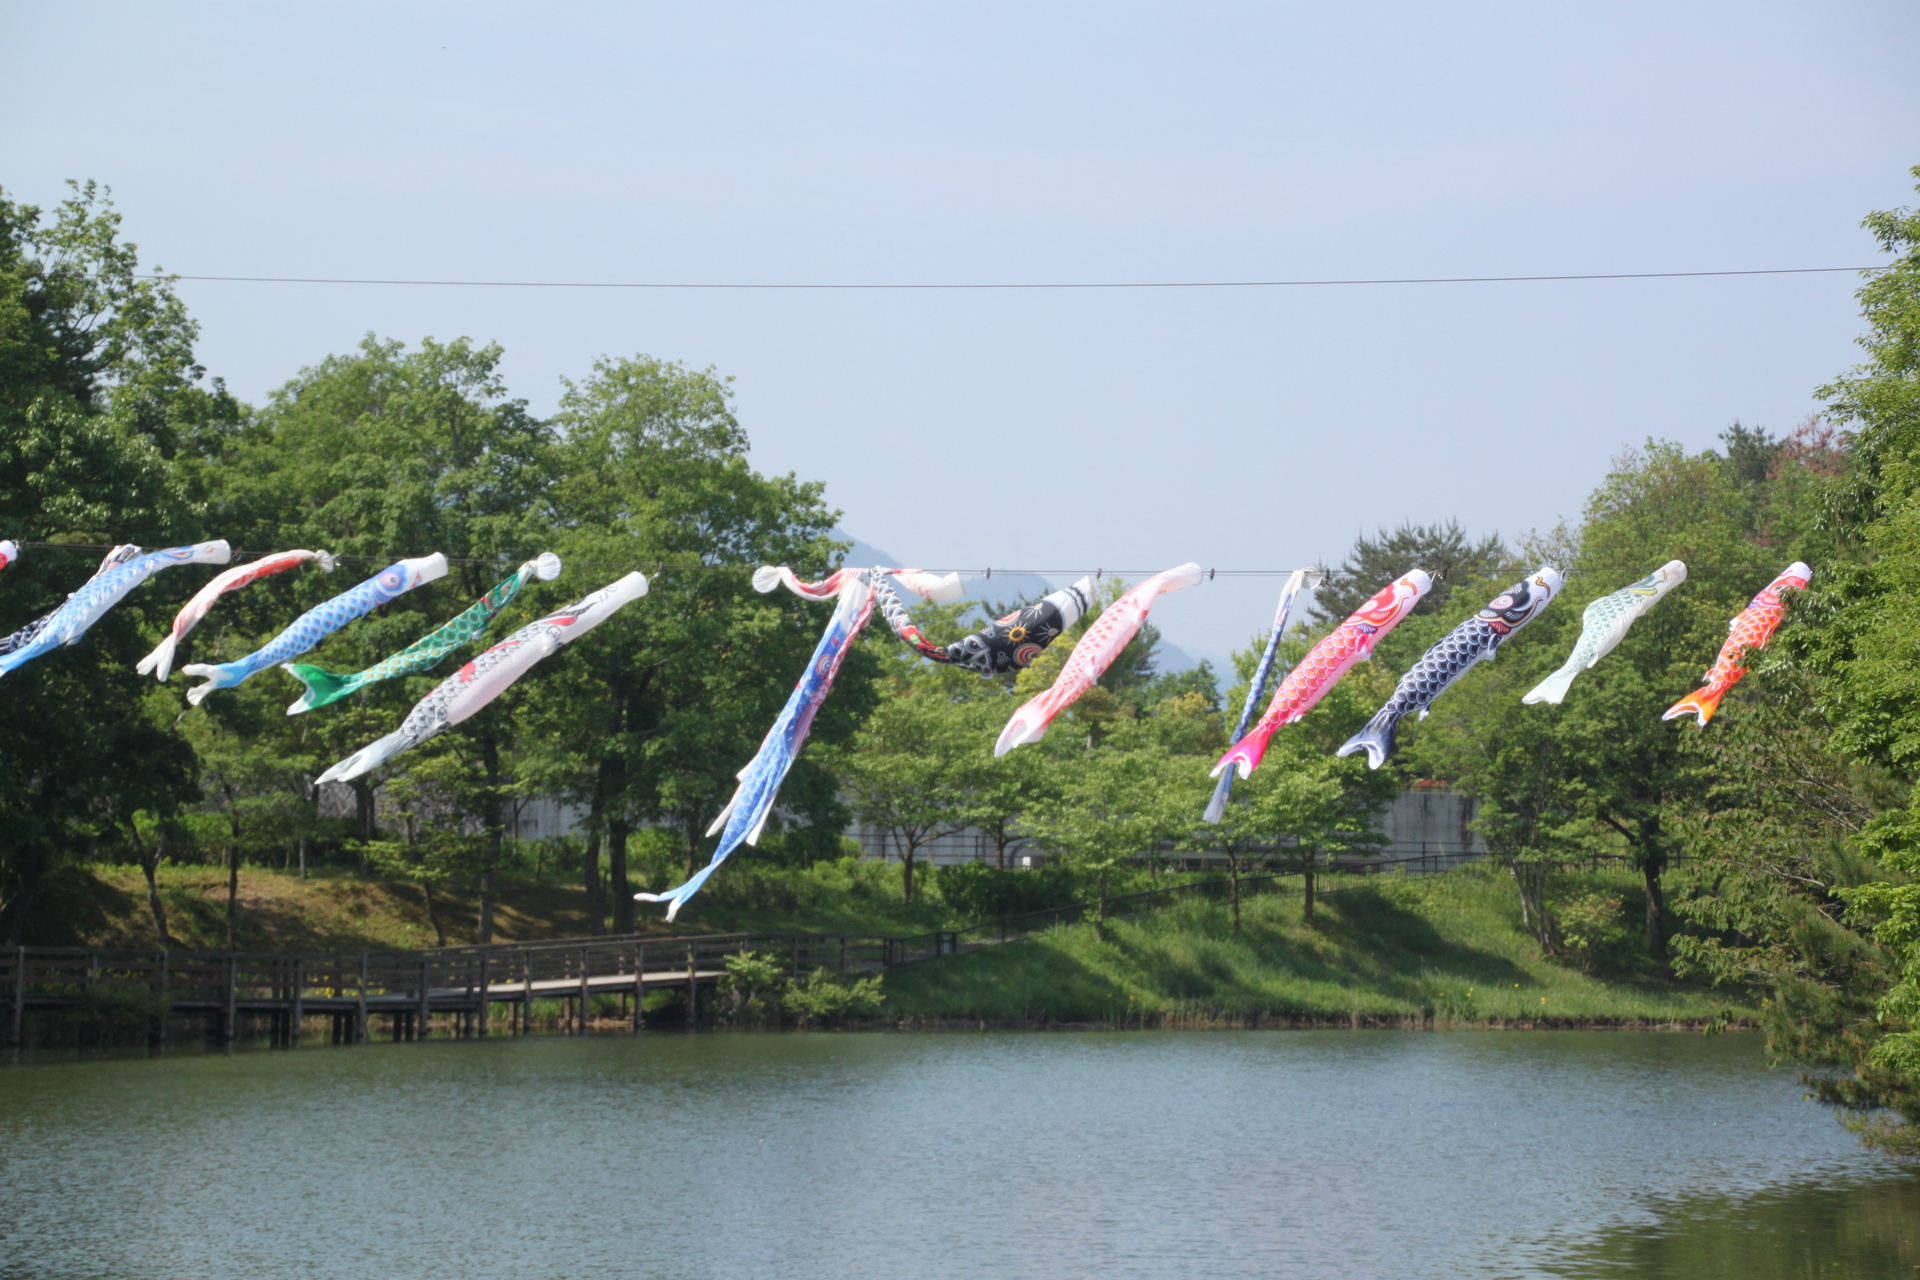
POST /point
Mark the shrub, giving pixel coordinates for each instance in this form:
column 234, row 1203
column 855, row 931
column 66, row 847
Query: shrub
column 1589, row 924
column 825, row 1000
column 751, row 990
column 976, row 891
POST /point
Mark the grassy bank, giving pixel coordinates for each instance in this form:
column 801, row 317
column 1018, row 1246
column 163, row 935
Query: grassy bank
column 1382, row 949
column 106, row 906
column 1386, row 949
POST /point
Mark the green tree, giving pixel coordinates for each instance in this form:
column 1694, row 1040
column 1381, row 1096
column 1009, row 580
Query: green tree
column 377, row 455
column 656, row 718
column 99, row 393
column 1862, row 639
column 1443, row 550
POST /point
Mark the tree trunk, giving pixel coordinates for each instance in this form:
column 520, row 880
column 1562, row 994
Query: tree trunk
column 1100, row 916
column 1656, row 908
column 906, row 872
column 1233, row 879
column 490, row 869
column 617, row 873
column 1306, row 897
column 590, row 881
column 1530, row 878
column 364, row 826
column 233, row 869
column 433, row 914
column 149, row 867
column 233, row 894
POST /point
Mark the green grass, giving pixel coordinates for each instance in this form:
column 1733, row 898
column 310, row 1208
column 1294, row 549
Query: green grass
column 1383, row 948
column 337, row 910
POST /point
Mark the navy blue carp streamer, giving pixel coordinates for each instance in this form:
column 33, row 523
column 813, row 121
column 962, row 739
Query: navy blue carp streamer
column 1476, row 640
column 1006, row 644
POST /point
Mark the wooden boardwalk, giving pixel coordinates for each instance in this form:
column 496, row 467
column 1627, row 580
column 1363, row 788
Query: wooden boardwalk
column 280, row 993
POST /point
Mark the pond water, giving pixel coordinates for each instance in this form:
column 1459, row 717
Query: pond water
column 1010, row 1155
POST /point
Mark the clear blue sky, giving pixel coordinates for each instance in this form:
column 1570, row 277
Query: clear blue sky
column 1023, row 142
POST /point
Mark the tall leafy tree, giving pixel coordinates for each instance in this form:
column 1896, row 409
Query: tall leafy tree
column 378, row 455
column 99, row 393
column 1862, row 638
column 674, row 696
column 1443, row 550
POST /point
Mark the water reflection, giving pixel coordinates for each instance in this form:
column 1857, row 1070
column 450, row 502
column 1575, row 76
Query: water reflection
column 1847, row 1228
column 1012, row 1156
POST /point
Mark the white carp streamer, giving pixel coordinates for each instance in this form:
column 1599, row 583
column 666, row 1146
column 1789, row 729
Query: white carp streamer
column 160, row 661
column 939, row 588
column 489, row 675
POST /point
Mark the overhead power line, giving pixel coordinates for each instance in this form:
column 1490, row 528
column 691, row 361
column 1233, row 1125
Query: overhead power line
column 241, row 555
column 1000, row 285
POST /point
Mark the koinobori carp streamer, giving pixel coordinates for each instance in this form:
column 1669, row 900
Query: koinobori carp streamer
column 1476, row 640
column 1604, row 624
column 1750, row 630
column 1117, row 624
column 324, row 686
column 124, row 569
column 1298, row 581
column 1351, row 642
column 317, row 623
column 746, row 813
column 489, row 675
column 1005, row 644
column 160, row 661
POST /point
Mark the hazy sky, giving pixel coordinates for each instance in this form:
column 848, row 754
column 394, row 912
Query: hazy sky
column 1066, row 431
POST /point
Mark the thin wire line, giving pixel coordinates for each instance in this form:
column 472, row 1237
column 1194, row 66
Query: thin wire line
column 984, row 574
column 1008, row 285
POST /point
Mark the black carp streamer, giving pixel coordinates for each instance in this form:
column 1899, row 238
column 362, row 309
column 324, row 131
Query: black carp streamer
column 1007, row 644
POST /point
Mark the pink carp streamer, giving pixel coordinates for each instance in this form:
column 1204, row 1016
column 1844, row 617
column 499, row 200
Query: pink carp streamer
column 160, row 661
column 938, row 588
column 1117, row 624
column 1750, row 630
column 1351, row 642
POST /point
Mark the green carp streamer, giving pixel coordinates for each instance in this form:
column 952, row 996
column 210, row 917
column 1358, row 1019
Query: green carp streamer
column 326, row 686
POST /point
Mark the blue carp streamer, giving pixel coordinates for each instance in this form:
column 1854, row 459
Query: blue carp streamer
column 317, row 623
column 124, row 569
column 746, row 814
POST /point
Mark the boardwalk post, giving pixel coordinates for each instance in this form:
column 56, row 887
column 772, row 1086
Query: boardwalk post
column 162, row 1003
column 586, row 967
column 299, row 1003
column 360, row 1005
column 232, row 1029
column 486, row 1006
column 693, row 989
column 639, row 985
column 426, row 1006
column 526, row 993
column 16, row 1022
